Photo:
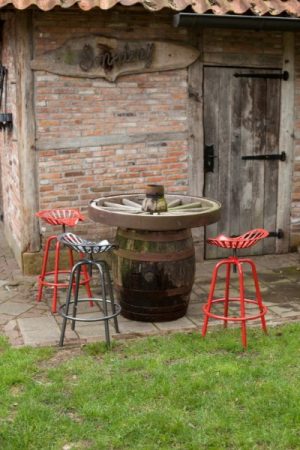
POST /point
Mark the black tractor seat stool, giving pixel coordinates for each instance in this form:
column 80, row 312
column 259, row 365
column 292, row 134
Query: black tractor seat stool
column 89, row 248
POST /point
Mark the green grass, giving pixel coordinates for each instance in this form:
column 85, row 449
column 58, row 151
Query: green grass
column 172, row 392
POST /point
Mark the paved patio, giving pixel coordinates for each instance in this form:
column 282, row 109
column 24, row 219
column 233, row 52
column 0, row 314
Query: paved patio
column 26, row 322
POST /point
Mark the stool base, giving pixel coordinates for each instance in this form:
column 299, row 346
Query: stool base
column 226, row 300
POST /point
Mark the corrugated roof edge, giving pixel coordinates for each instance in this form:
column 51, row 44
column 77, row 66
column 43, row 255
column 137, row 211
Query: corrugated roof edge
column 216, row 7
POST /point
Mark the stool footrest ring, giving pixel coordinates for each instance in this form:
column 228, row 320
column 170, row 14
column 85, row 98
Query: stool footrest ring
column 44, row 282
column 95, row 319
column 235, row 319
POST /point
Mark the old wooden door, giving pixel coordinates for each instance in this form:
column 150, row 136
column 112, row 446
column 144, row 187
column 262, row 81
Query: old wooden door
column 241, row 119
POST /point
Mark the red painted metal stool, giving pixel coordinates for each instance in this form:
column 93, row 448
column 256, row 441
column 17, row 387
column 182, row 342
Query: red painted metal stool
column 63, row 217
column 244, row 241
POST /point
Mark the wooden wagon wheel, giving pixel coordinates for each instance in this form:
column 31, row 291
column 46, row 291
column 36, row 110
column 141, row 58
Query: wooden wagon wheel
column 182, row 212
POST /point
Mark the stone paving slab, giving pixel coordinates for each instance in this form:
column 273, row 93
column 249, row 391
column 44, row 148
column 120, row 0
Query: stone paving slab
column 95, row 331
column 133, row 326
column 184, row 323
column 194, row 309
column 14, row 308
column 43, row 331
column 12, row 332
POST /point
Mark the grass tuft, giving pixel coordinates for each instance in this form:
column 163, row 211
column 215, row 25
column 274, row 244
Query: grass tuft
column 98, row 348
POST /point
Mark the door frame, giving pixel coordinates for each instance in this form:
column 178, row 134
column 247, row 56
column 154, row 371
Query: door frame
column 286, row 138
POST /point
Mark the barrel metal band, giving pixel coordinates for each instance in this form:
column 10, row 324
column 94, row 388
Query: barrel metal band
column 183, row 290
column 156, row 257
column 157, row 236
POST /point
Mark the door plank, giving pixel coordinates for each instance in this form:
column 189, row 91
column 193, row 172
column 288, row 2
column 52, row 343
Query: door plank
column 224, row 146
column 259, row 148
column 211, row 123
column 271, row 167
column 246, row 166
column 233, row 175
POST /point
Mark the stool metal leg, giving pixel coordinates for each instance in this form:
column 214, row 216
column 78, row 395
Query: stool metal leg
column 69, row 293
column 242, row 303
column 258, row 293
column 105, row 310
column 44, row 267
column 87, row 284
column 77, row 285
column 71, row 262
column 210, row 296
column 111, row 296
column 71, row 258
column 227, row 291
column 56, row 271
column 87, row 276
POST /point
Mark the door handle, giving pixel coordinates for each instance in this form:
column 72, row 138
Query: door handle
column 209, row 157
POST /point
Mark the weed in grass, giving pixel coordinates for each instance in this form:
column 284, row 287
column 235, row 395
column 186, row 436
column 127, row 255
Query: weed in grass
column 98, row 348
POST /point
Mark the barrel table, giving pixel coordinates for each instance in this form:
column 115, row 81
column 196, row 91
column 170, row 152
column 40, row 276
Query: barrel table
column 154, row 265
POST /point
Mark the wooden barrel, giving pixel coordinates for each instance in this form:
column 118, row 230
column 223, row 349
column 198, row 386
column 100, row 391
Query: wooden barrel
column 154, row 273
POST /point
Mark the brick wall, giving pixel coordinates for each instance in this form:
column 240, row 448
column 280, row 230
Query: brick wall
column 243, row 45
column 78, row 107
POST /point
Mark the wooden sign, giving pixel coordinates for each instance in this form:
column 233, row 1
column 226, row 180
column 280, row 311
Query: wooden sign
column 98, row 56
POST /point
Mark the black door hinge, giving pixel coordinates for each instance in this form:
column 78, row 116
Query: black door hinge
column 279, row 234
column 276, row 156
column 279, row 76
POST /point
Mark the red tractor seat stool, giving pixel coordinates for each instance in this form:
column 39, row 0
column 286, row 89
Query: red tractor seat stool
column 244, row 241
column 63, row 217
